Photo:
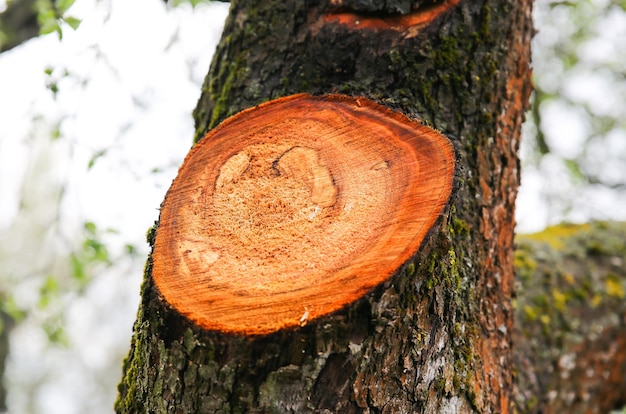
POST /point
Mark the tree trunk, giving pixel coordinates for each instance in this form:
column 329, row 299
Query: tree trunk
column 434, row 337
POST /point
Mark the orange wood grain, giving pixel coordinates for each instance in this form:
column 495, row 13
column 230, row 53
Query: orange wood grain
column 410, row 23
column 290, row 210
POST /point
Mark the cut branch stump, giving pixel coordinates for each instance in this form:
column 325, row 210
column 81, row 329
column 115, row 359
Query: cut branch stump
column 291, row 210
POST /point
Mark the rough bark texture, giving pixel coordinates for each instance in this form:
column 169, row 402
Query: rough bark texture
column 436, row 337
column 570, row 331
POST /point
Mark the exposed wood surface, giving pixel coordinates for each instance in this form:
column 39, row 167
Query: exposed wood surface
column 290, row 210
column 398, row 22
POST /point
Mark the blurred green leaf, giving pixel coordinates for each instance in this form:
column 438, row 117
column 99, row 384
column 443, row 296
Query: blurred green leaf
column 63, row 5
column 573, row 166
column 55, row 332
column 9, row 306
column 54, row 88
column 73, row 22
column 48, row 291
column 78, row 269
column 95, row 251
column 49, row 26
column 55, row 133
column 90, row 228
column 131, row 249
column 193, row 3
column 95, row 157
column 45, row 13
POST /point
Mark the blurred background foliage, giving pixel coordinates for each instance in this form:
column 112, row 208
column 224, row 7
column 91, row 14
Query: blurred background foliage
column 69, row 279
column 574, row 148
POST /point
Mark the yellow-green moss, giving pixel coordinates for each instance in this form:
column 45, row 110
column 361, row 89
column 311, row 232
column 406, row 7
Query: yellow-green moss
column 151, row 234
column 459, row 227
column 555, row 236
column 525, row 265
column 614, row 286
column 560, row 299
column 410, row 270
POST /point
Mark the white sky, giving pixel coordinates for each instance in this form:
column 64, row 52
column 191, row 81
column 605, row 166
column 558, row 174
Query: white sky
column 135, row 72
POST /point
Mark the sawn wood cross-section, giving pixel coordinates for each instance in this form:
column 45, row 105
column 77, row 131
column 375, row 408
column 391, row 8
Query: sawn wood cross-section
column 290, row 210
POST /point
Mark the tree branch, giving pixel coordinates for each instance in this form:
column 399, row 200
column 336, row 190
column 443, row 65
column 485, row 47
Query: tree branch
column 18, row 23
column 570, row 335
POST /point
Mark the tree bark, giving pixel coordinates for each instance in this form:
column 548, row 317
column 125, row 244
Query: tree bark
column 436, row 336
column 570, row 330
